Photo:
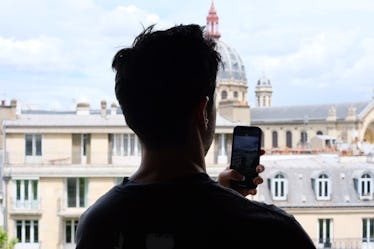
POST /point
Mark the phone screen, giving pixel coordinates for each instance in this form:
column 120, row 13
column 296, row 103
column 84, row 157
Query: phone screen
column 245, row 153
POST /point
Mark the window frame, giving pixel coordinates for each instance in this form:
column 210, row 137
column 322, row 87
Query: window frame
column 26, row 197
column 368, row 230
column 365, row 182
column 277, row 182
column 323, row 187
column 35, row 153
column 126, row 145
column 325, row 232
column 27, row 230
column 73, row 223
column 77, row 196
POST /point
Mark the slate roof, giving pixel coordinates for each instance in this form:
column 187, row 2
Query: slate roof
column 299, row 171
column 70, row 119
column 301, row 113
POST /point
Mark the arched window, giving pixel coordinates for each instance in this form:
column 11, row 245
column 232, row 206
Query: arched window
column 303, row 138
column 223, row 94
column 366, row 187
column 275, row 139
column 279, row 187
column 236, row 94
column 323, row 188
column 289, row 139
column 319, row 133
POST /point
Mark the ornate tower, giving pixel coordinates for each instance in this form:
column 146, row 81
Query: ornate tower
column 231, row 92
column 212, row 22
column 264, row 92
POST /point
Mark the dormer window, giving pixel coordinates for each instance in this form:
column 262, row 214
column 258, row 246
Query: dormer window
column 323, row 187
column 279, row 187
column 365, row 187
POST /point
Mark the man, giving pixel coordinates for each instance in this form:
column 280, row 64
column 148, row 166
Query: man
column 165, row 85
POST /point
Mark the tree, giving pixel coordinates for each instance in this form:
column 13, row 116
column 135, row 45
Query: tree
column 4, row 241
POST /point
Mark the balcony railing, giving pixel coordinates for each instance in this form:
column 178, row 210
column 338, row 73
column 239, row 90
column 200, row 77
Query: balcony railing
column 25, row 206
column 348, row 243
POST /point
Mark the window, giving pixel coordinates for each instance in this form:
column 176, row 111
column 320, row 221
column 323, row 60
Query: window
column 279, row 187
column 303, row 138
column 33, row 145
column 275, row 139
column 222, row 149
column 236, row 94
column 70, row 230
column 81, row 148
column 322, row 187
column 26, row 194
column 126, row 145
column 368, row 230
column 325, row 232
column 223, row 95
column 289, row 139
column 365, row 187
column 27, row 231
column 319, row 133
column 85, row 145
column 77, row 192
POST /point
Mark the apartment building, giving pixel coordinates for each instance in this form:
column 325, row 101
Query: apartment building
column 56, row 164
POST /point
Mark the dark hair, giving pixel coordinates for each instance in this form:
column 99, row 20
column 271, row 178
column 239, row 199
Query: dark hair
column 161, row 78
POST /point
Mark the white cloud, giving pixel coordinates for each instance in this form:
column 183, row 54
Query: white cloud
column 125, row 20
column 42, row 53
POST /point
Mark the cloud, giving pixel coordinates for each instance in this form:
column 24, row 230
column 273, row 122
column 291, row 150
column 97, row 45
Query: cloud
column 127, row 20
column 42, row 53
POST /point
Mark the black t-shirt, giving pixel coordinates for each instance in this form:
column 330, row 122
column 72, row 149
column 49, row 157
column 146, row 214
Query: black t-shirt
column 193, row 212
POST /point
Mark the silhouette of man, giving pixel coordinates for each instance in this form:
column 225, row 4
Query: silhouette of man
column 165, row 84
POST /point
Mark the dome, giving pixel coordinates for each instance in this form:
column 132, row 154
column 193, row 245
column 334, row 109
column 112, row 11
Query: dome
column 263, row 81
column 232, row 68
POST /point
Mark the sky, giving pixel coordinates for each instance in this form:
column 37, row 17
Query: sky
column 55, row 53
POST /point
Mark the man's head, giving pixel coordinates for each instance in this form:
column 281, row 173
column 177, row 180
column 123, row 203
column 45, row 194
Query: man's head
column 161, row 80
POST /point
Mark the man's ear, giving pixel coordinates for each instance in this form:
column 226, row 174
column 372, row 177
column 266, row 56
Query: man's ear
column 201, row 112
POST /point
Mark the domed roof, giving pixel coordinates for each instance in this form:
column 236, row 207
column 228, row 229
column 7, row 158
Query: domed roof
column 232, row 68
column 263, row 81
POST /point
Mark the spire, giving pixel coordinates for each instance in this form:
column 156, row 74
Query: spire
column 212, row 23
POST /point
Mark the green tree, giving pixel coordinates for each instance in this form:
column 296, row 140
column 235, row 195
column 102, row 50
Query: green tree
column 4, row 241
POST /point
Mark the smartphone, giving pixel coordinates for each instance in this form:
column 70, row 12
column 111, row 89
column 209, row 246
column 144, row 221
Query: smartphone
column 245, row 154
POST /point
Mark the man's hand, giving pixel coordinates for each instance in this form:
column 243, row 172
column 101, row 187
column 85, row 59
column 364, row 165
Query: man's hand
column 225, row 177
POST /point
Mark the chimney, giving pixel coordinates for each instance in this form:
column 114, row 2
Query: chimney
column 113, row 109
column 83, row 108
column 103, row 108
column 331, row 116
column 351, row 114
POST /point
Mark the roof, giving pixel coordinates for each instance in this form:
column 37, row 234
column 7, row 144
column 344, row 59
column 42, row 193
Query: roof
column 70, row 119
column 232, row 67
column 299, row 171
column 303, row 113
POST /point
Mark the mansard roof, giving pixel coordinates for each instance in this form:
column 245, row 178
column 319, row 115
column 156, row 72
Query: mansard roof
column 42, row 118
column 299, row 171
column 304, row 113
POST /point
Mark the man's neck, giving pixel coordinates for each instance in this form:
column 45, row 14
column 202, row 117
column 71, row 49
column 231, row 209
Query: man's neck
column 168, row 164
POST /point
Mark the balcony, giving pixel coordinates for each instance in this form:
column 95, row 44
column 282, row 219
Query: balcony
column 348, row 243
column 27, row 246
column 69, row 212
column 25, row 207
